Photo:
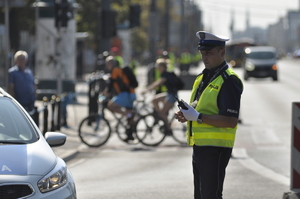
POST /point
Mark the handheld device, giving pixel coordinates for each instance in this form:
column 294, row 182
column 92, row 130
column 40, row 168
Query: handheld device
column 181, row 103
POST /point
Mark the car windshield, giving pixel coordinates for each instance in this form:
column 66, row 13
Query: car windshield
column 15, row 128
column 261, row 55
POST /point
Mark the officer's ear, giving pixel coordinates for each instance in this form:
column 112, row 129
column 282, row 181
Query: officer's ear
column 223, row 51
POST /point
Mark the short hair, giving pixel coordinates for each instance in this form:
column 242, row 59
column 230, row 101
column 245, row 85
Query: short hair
column 20, row 53
column 111, row 59
column 220, row 47
column 161, row 62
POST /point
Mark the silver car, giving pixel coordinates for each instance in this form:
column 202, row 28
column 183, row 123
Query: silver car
column 28, row 166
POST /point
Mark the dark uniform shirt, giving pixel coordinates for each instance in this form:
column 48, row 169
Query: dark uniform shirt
column 229, row 95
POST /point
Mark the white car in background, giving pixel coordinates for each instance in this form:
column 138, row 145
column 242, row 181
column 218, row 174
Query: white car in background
column 28, row 166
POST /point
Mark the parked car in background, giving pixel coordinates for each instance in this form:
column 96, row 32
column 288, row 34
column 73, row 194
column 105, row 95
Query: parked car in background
column 260, row 62
column 29, row 167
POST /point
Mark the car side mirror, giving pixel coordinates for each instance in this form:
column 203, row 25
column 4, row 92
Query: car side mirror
column 55, row 139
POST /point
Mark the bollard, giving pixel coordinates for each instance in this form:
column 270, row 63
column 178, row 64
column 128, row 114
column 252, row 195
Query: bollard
column 52, row 102
column 58, row 122
column 45, row 119
column 93, row 97
column 295, row 147
column 35, row 116
column 64, row 102
column 295, row 154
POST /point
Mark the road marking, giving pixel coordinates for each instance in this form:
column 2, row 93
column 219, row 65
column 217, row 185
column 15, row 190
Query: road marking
column 241, row 155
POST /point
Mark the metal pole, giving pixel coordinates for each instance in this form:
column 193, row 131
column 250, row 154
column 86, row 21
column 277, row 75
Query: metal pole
column 167, row 21
column 152, row 31
column 7, row 43
column 37, row 18
column 104, row 42
column 182, row 27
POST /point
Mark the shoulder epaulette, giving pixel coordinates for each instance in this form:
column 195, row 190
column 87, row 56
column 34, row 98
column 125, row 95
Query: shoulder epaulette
column 225, row 75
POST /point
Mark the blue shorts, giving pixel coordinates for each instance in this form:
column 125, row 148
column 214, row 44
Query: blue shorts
column 125, row 99
column 171, row 98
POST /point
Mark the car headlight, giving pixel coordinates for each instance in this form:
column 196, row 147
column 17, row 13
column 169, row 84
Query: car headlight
column 57, row 178
column 249, row 66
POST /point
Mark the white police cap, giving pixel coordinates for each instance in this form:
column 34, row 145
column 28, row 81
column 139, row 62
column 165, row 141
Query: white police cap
column 209, row 41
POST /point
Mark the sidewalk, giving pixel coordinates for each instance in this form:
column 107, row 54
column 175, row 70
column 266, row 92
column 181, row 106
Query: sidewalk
column 76, row 112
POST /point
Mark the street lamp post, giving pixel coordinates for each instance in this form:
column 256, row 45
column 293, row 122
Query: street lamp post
column 152, row 30
column 7, row 44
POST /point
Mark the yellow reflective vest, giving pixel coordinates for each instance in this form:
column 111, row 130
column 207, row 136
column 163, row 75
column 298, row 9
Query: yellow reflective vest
column 161, row 88
column 205, row 134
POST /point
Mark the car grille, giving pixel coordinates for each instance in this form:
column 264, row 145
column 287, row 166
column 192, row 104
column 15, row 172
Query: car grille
column 15, row 191
column 263, row 68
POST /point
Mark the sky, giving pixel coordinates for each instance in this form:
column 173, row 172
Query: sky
column 217, row 14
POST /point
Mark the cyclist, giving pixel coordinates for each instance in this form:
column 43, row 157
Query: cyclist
column 122, row 102
column 163, row 102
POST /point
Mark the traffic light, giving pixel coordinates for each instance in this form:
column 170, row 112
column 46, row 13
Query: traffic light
column 63, row 13
column 108, row 28
column 134, row 15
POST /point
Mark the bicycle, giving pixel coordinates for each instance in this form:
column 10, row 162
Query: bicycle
column 95, row 130
column 150, row 129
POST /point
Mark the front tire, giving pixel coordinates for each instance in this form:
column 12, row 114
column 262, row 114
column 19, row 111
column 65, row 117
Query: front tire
column 148, row 130
column 94, row 131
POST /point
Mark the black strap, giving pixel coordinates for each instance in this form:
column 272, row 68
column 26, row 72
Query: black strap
column 201, row 87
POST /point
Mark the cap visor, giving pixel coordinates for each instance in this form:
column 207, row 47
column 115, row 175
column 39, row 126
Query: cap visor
column 206, row 47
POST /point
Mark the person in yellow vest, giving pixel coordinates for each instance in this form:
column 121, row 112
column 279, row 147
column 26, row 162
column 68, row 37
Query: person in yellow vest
column 163, row 101
column 154, row 74
column 212, row 117
column 168, row 56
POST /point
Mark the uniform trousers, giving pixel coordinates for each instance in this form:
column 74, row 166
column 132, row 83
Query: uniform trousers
column 209, row 165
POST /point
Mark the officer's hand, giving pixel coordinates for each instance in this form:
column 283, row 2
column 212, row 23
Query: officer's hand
column 180, row 117
column 190, row 114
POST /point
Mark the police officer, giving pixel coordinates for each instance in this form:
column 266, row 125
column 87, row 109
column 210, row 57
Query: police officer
column 212, row 117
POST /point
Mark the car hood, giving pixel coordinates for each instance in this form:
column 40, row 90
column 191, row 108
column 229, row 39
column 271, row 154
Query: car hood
column 262, row 61
column 28, row 159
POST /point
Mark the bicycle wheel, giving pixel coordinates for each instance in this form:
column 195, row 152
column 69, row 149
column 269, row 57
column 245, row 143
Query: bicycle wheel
column 94, row 131
column 149, row 130
column 179, row 131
